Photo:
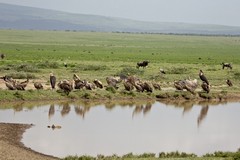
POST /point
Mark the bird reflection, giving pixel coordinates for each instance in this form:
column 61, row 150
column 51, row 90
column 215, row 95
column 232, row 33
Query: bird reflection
column 142, row 109
column 51, row 111
column 202, row 114
column 18, row 107
column 147, row 108
column 81, row 110
column 66, row 109
column 138, row 109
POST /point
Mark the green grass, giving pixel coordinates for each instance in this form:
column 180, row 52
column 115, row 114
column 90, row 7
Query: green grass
column 91, row 55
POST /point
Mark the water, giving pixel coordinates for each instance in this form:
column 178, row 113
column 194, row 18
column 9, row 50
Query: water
column 121, row 128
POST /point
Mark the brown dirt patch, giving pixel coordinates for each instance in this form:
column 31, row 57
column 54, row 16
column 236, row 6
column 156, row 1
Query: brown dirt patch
column 11, row 146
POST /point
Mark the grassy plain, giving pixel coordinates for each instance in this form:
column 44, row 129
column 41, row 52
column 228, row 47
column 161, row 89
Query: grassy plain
column 91, row 55
column 34, row 54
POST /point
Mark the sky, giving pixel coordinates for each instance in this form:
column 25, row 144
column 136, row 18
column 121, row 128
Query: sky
column 223, row 12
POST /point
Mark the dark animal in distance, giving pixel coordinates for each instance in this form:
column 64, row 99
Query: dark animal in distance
column 202, row 77
column 229, row 83
column 2, row 56
column 142, row 64
column 227, row 65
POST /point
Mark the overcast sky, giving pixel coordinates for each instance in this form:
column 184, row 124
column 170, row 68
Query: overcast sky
column 225, row 12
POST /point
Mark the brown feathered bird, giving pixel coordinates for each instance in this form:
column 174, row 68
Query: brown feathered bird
column 38, row 85
column 52, row 81
column 229, row 83
column 203, row 77
column 205, row 87
column 98, row 83
column 66, row 86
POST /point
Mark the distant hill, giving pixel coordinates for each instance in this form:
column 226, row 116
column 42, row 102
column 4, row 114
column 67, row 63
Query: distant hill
column 20, row 17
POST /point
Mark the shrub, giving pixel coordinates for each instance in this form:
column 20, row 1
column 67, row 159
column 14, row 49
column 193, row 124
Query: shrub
column 21, row 75
column 178, row 70
column 47, row 64
column 130, row 71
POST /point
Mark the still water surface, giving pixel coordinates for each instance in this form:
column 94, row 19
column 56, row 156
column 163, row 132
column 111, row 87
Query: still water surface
column 92, row 129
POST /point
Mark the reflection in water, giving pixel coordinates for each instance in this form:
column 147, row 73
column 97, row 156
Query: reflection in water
column 80, row 110
column 141, row 108
column 202, row 115
column 18, row 107
column 65, row 109
column 51, row 111
column 107, row 129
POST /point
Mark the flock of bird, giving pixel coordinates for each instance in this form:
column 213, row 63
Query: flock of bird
column 129, row 83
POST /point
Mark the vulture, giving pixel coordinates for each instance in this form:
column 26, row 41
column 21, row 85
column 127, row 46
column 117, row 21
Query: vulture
column 128, row 86
column 191, row 85
column 66, row 86
column 138, row 88
column 229, row 83
column 162, row 71
column 112, row 81
column 205, row 87
column 38, row 85
column 98, row 83
column 79, row 84
column 147, row 87
column 10, row 86
column 179, row 85
column 202, row 77
column 89, row 86
column 24, row 83
column 52, row 80
column 156, row 86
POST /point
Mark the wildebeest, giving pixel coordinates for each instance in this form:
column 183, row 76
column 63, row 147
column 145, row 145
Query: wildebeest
column 227, row 65
column 2, row 56
column 142, row 64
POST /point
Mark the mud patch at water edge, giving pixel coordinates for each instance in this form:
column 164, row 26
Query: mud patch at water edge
column 11, row 146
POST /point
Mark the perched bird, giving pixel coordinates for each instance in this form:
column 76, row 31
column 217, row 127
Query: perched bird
column 138, row 87
column 229, row 83
column 10, row 85
column 179, row 85
column 156, row 86
column 128, row 86
column 202, row 77
column 147, row 87
column 205, row 87
column 52, row 80
column 98, row 83
column 38, row 85
column 162, row 71
column 24, row 83
column 66, row 86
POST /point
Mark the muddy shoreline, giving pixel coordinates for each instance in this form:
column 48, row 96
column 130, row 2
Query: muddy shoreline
column 11, row 146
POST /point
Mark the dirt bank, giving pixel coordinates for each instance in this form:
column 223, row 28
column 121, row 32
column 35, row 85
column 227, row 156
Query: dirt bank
column 11, row 146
